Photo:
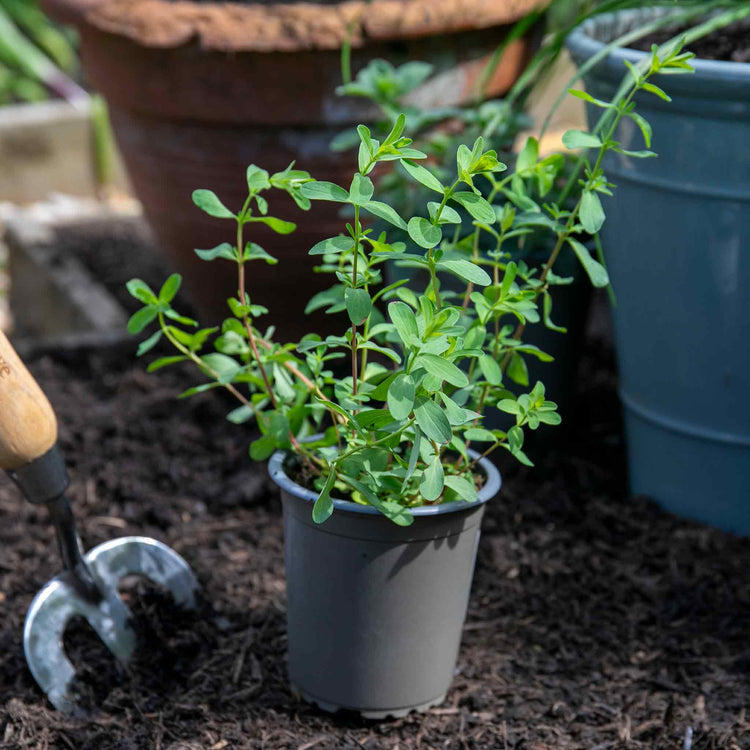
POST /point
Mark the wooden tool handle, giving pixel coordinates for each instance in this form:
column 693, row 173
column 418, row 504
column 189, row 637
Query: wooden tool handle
column 28, row 427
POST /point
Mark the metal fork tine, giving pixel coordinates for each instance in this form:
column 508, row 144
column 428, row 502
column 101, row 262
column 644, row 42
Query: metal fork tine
column 55, row 605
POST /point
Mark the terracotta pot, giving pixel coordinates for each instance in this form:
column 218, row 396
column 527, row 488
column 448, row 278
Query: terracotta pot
column 197, row 91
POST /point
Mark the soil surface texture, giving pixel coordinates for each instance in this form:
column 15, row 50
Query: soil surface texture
column 731, row 44
column 596, row 620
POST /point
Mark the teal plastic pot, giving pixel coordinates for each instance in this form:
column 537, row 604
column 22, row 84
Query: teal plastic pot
column 676, row 244
column 374, row 610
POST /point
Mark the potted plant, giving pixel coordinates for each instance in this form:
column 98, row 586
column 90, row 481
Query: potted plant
column 370, row 432
column 683, row 218
column 197, row 87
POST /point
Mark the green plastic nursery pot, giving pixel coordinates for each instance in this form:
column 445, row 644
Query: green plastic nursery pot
column 375, row 610
column 675, row 242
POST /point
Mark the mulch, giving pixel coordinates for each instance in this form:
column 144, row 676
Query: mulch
column 596, row 620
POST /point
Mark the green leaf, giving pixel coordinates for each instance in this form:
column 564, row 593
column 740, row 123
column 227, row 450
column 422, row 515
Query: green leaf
column 358, row 305
column 361, row 190
column 515, row 439
column 225, row 250
column 324, row 505
column 574, row 139
column 262, row 448
column 170, row 288
column 423, row 233
column 463, row 159
column 374, row 419
column 141, row 291
column 467, row 270
column 508, row 278
column 546, row 315
column 396, row 130
column 591, row 214
column 480, row 435
column 209, row 202
column 199, row 389
column 595, row 270
column 224, row 367
column 509, row 406
column 518, row 372
column 432, row 421
column 257, row 179
column 462, row 487
column 636, row 154
column 656, row 91
column 423, row 176
column 332, row 245
column 385, row 212
column 644, row 125
column 241, row 414
column 401, row 396
column 578, row 94
column 157, row 364
column 456, row 414
column 278, row 225
column 149, row 343
column 431, row 486
column 333, row 298
column 448, row 215
column 254, row 251
column 443, row 369
column 528, row 156
column 324, row 191
column 394, row 511
column 413, row 457
column 372, row 346
column 141, row 319
column 477, row 206
column 402, row 316
column 490, row 369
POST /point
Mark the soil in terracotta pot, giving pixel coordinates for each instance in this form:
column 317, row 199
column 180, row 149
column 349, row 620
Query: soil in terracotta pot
column 595, row 619
column 731, row 44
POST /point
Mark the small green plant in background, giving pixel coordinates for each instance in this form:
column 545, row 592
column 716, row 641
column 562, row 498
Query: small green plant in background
column 37, row 59
column 422, row 365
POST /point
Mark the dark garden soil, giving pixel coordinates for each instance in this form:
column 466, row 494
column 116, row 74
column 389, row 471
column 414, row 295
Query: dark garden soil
column 596, row 620
column 731, row 44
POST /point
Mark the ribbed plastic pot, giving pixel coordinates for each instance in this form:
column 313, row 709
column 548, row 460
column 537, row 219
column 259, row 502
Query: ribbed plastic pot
column 375, row 611
column 676, row 244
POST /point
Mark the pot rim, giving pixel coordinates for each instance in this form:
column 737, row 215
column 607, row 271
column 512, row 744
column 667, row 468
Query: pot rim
column 290, row 26
column 584, row 43
column 487, row 492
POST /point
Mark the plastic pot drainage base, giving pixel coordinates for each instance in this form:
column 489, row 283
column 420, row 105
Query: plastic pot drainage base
column 374, row 715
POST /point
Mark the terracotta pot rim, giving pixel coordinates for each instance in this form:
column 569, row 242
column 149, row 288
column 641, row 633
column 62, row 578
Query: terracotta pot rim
column 284, row 27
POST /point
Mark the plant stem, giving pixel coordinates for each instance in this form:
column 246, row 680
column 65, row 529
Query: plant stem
column 355, row 375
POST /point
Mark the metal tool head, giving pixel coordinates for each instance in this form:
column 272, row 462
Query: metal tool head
column 59, row 601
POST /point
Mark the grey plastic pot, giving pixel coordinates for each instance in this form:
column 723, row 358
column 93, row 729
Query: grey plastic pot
column 676, row 244
column 374, row 610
